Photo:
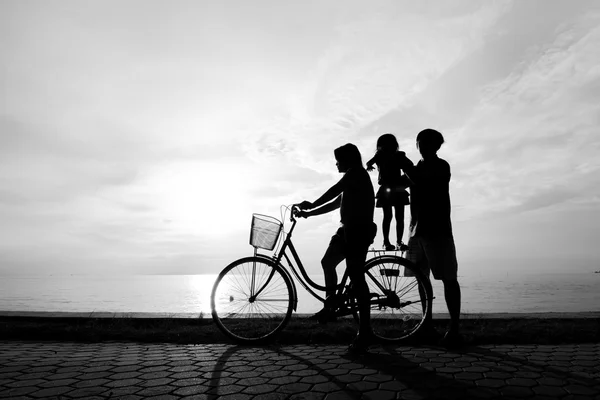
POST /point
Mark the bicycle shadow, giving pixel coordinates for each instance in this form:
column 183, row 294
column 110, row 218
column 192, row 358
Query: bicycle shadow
column 406, row 371
column 273, row 353
column 375, row 374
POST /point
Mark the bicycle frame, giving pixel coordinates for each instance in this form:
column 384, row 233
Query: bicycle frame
column 298, row 269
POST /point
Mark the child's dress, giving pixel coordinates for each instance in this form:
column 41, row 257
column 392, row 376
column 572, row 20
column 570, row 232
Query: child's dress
column 392, row 183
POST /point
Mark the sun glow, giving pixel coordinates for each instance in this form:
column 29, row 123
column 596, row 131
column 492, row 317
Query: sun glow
column 204, row 198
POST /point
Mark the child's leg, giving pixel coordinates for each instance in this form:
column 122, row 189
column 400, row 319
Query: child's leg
column 399, row 210
column 385, row 224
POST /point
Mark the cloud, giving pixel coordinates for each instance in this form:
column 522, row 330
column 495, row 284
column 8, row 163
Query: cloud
column 148, row 139
column 375, row 62
column 535, row 131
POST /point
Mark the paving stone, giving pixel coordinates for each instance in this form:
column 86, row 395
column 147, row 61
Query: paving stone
column 377, row 378
column 516, row 392
column 182, row 368
column 156, row 382
column 490, row 383
column 307, row 396
column 550, row 391
column 20, row 391
column 550, row 381
column 580, row 390
column 107, row 370
column 155, row 391
column 498, row 375
column 363, row 386
column 86, row 392
column 125, row 375
column 226, row 389
column 259, row 389
column 327, row 387
column 253, row 381
column 313, row 379
column 481, row 393
column 162, row 397
column 468, row 376
column 123, row 382
column 186, row 375
column 51, row 392
column 57, row 382
column 189, row 382
column 191, row 390
column 380, row 395
column 297, row 387
column 26, row 383
column 126, row 368
column 122, row 392
column 393, row 385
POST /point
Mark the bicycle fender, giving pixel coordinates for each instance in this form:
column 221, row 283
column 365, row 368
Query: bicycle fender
column 384, row 258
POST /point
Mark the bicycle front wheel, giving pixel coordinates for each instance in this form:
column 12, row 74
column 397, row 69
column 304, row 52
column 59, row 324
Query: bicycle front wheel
column 401, row 296
column 251, row 300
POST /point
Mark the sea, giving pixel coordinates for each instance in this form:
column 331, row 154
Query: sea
column 189, row 295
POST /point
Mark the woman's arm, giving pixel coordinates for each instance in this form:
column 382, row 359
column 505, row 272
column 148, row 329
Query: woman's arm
column 330, row 194
column 333, row 192
column 333, row 205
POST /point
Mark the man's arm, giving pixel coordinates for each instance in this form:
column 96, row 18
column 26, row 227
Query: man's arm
column 439, row 176
column 371, row 162
column 409, row 168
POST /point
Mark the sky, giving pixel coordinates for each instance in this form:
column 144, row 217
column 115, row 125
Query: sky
column 138, row 137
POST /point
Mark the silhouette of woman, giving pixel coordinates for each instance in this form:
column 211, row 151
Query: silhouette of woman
column 354, row 196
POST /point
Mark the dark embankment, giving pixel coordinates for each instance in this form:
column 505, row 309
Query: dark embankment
column 477, row 330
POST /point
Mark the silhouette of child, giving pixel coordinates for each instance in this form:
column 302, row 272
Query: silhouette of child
column 431, row 242
column 392, row 192
column 354, row 196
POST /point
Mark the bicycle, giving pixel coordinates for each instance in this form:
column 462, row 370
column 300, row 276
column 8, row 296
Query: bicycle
column 253, row 297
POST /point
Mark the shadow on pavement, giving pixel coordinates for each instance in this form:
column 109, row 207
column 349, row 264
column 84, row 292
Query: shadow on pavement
column 388, row 371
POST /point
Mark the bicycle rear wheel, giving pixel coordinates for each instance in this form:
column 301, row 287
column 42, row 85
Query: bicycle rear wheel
column 251, row 300
column 401, row 295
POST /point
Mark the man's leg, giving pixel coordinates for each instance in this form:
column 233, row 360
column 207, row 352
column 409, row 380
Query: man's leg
column 416, row 255
column 452, row 295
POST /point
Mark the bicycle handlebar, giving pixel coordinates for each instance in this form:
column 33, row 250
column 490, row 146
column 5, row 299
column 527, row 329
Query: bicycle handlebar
column 295, row 209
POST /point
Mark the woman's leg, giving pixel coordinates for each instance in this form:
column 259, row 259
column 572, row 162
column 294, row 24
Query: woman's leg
column 355, row 263
column 385, row 225
column 399, row 214
column 332, row 257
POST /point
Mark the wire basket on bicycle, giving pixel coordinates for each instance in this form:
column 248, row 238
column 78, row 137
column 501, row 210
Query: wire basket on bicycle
column 265, row 231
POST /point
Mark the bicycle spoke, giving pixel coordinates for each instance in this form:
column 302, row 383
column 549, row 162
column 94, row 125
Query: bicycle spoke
column 251, row 300
column 397, row 309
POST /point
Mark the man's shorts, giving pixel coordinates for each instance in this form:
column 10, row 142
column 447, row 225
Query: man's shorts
column 437, row 255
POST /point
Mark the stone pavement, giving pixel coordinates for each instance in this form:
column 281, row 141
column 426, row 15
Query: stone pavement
column 34, row 370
